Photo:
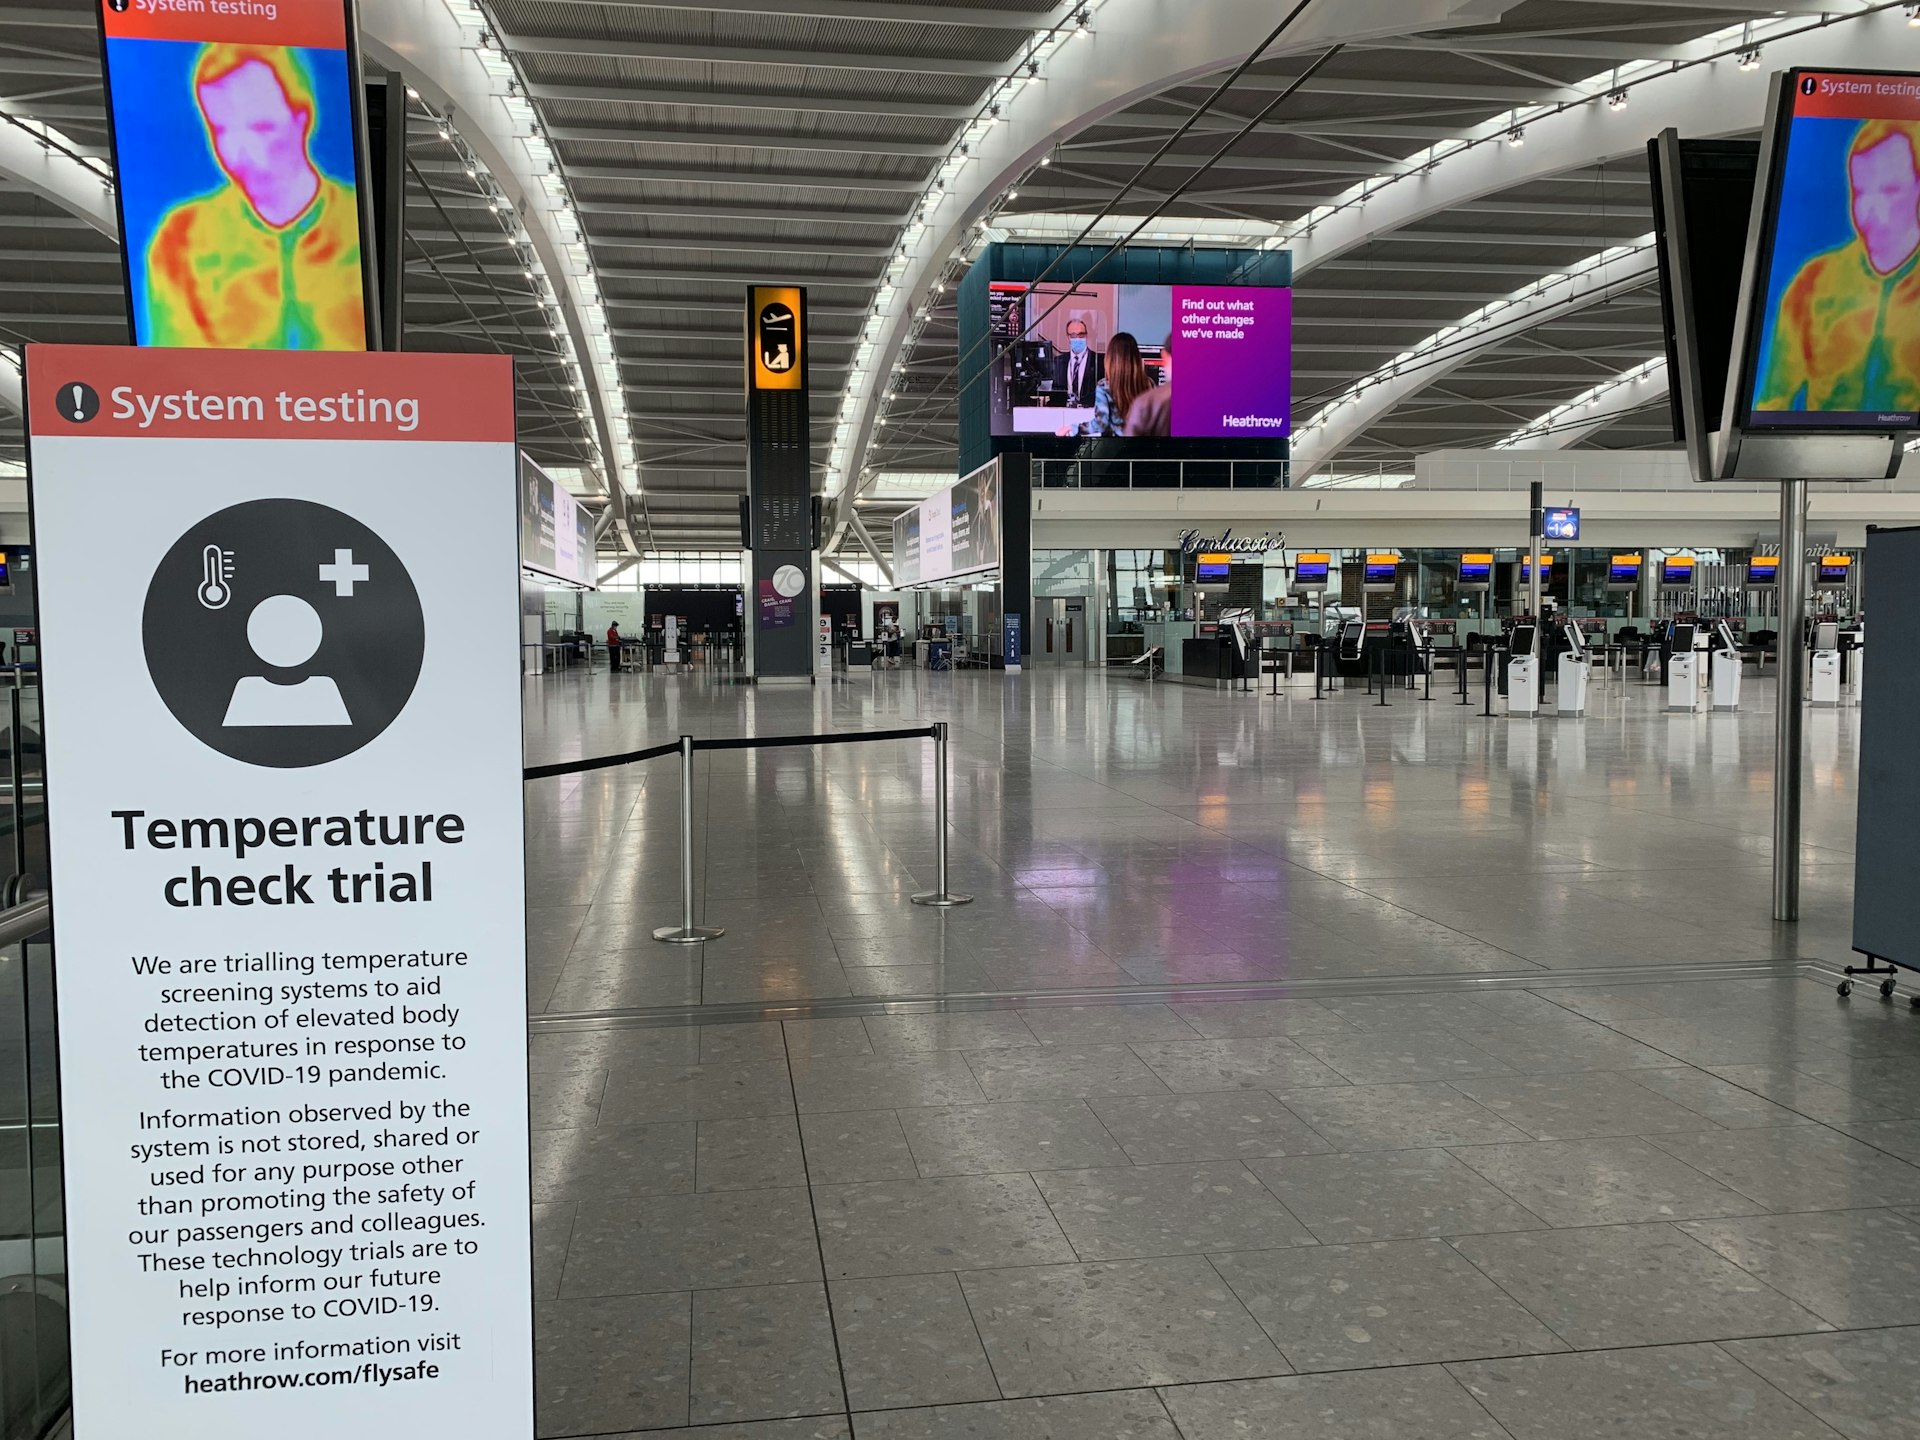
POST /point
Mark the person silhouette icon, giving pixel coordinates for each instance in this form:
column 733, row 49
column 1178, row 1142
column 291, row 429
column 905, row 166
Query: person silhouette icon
column 285, row 632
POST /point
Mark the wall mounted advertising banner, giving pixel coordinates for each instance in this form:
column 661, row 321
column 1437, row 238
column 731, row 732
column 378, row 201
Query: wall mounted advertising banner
column 285, row 842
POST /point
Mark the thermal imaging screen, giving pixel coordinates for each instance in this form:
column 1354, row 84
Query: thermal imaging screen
column 1838, row 329
column 233, row 138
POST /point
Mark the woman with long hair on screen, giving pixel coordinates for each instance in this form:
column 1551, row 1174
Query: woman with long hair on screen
column 1126, row 379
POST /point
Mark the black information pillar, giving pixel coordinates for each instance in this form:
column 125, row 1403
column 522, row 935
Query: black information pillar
column 780, row 600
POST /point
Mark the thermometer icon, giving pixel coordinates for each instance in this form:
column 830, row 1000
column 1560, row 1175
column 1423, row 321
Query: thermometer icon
column 216, row 570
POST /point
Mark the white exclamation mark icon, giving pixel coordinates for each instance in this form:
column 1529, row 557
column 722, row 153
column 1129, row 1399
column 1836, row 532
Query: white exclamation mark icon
column 79, row 403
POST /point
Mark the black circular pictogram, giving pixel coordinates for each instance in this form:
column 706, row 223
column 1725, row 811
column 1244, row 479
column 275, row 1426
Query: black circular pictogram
column 77, row 401
column 283, row 633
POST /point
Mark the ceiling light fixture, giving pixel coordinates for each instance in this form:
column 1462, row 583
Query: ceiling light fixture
column 1913, row 17
column 1083, row 23
column 1517, row 136
column 1750, row 59
column 1617, row 100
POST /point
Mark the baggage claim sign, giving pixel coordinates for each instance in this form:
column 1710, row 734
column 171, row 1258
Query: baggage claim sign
column 285, row 836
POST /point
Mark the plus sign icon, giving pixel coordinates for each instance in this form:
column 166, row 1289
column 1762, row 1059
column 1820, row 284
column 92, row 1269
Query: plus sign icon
column 283, row 633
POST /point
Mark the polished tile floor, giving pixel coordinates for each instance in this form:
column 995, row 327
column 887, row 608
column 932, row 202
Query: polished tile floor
column 1280, row 1106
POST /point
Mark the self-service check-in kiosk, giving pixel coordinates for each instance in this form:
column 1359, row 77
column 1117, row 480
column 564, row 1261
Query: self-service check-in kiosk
column 1571, row 671
column 1723, row 668
column 1523, row 671
column 1824, row 690
column 1683, row 670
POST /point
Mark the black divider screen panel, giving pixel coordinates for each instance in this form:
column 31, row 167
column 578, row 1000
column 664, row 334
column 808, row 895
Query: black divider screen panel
column 1886, row 863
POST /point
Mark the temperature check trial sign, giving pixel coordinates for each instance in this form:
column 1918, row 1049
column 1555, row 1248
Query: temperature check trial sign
column 279, row 623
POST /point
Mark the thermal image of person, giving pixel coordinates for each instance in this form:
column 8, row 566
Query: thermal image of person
column 271, row 259
column 1847, row 336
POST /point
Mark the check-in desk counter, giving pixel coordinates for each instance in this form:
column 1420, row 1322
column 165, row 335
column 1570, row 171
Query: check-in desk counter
column 1213, row 658
column 1170, row 636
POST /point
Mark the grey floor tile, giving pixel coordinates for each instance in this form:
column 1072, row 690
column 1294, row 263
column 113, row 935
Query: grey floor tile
column 754, row 1040
column 1616, row 1285
column 1017, row 1135
column 771, row 979
column 607, row 1365
column 817, row 1427
column 1561, row 1048
column 1390, row 1195
column 1398, row 1117
column 762, row 1352
column 1579, row 1106
column 1896, row 1137
column 1696, row 1391
column 1803, row 1167
column 1866, row 1386
column 1602, row 1182
column 1854, row 1268
column 1812, row 1098
column 1236, row 1019
column 1230, row 1125
column 565, row 1099
column 1106, row 1024
column 807, row 1038
column 612, row 1160
column 1373, row 1058
column 758, row 1154
column 971, row 1030
column 844, row 1147
column 1124, row 1415
column 1721, row 1101
column 648, row 1094
column 1407, row 1302
column 884, row 1082
column 1132, row 1211
column 909, row 1340
column 1416, row 1403
column 603, row 1049
column 1055, row 1328
column 959, row 1222
column 899, row 981
column 1258, row 1063
column 1062, row 1072
column 690, row 1242
column 552, row 1231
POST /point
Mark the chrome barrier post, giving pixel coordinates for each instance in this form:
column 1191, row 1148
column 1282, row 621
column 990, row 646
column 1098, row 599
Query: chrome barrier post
column 942, row 896
column 686, row 932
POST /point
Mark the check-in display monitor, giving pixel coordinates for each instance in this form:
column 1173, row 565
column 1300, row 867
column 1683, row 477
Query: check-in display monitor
column 1623, row 572
column 1762, row 571
column 1833, row 338
column 1310, row 571
column 1676, row 572
column 1211, row 569
column 237, row 146
column 1520, row 640
column 1834, row 569
column 1382, row 571
column 1546, row 570
column 1100, row 360
column 1561, row 523
column 1476, row 570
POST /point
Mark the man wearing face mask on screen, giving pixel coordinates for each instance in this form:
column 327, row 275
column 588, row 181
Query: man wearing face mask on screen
column 1077, row 373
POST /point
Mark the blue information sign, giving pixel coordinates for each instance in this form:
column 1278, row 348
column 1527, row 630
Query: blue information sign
column 1010, row 638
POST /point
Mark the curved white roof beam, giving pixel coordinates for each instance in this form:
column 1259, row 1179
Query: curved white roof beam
column 444, row 51
column 1552, row 297
column 1697, row 88
column 1592, row 410
column 37, row 159
column 1135, row 48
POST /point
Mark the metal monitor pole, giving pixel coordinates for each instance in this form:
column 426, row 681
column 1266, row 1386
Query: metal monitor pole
column 1535, row 520
column 1788, row 719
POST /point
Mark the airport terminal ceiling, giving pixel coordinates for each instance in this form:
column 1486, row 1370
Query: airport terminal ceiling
column 706, row 146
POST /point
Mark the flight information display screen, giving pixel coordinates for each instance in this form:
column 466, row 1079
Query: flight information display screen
column 1835, row 337
column 1476, row 569
column 1623, row 570
column 1677, row 570
column 1763, row 570
column 1382, row 569
column 1311, row 569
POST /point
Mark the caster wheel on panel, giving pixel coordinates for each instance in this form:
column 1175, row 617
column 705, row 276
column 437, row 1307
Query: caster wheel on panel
column 1845, row 987
column 1886, row 989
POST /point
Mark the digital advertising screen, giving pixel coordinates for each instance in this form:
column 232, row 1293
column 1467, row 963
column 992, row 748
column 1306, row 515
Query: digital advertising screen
column 235, row 130
column 1476, row 568
column 1382, row 569
column 1561, row 523
column 1677, row 570
column 556, row 531
column 1763, row 570
column 1311, row 570
column 1834, row 569
column 1141, row 361
column 1211, row 569
column 1623, row 572
column 955, row 531
column 1834, row 340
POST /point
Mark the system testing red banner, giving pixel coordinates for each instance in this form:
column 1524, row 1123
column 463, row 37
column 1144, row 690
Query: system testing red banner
column 235, row 141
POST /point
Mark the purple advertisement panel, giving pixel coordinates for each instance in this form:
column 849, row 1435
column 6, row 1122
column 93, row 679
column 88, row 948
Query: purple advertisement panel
column 1231, row 353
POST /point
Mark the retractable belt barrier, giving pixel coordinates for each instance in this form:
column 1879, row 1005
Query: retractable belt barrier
column 688, row 933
